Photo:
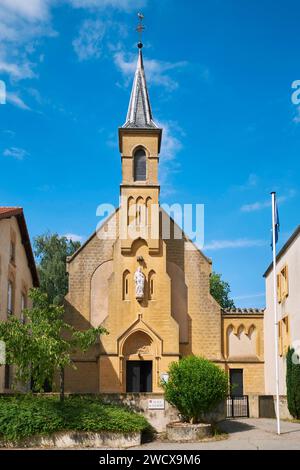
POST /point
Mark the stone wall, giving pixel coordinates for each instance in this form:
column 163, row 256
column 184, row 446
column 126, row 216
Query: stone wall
column 158, row 418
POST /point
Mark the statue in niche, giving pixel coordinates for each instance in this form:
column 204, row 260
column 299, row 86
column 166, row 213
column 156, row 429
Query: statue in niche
column 139, row 280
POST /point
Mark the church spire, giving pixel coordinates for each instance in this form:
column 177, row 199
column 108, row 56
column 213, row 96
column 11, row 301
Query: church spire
column 139, row 113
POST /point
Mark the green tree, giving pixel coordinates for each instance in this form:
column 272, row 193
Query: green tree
column 43, row 344
column 51, row 252
column 220, row 291
column 195, row 386
column 293, row 382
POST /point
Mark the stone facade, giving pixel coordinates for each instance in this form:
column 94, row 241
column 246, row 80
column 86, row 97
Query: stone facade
column 177, row 316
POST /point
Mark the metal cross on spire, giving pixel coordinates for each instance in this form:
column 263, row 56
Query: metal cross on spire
column 140, row 28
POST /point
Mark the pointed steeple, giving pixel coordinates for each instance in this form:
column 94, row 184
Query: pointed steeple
column 139, row 113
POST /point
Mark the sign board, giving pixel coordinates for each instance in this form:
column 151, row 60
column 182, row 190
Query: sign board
column 156, row 404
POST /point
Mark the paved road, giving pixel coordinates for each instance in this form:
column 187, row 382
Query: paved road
column 252, row 434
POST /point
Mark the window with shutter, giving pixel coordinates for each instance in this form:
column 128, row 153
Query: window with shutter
column 278, row 287
column 10, row 300
column 284, row 283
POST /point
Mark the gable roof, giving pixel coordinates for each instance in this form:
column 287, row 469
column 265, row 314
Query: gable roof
column 283, row 249
column 8, row 212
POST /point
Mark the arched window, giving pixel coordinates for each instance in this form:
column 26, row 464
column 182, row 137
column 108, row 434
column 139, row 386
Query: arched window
column 140, row 165
column 148, row 211
column 131, row 211
column 125, row 292
column 151, row 285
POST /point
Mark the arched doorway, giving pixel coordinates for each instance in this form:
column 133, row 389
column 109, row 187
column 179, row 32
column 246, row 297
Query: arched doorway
column 138, row 359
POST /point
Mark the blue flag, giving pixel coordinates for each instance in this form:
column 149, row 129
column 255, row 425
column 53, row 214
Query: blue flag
column 277, row 226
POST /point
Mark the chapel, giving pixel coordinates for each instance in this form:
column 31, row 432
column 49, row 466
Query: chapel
column 146, row 282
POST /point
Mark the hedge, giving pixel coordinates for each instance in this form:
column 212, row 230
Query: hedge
column 22, row 416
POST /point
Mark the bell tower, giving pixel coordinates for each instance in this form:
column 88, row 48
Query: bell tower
column 139, row 144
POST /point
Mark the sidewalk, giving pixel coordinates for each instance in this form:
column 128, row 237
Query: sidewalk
column 252, row 434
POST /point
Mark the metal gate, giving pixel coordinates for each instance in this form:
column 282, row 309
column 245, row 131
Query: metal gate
column 237, row 407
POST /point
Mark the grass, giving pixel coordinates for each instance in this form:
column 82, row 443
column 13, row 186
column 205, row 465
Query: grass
column 23, row 416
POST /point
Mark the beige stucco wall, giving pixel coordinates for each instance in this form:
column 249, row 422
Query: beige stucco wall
column 291, row 307
column 18, row 272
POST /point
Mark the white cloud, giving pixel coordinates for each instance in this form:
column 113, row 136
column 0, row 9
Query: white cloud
column 171, row 143
column 239, row 243
column 22, row 23
column 171, row 146
column 74, row 237
column 15, row 152
column 101, row 4
column 15, row 99
column 251, row 182
column 157, row 71
column 249, row 296
column 255, row 206
column 89, row 42
column 9, row 132
column 16, row 71
column 259, row 205
column 31, row 9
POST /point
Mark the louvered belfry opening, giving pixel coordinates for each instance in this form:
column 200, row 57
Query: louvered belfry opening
column 140, row 172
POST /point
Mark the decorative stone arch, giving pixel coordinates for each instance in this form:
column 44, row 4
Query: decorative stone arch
column 99, row 292
column 151, row 284
column 131, row 210
column 148, row 203
column 137, row 147
column 126, row 287
column 253, row 335
column 240, row 330
column 139, row 343
column 230, row 329
column 137, row 244
column 241, row 341
column 140, row 208
column 251, row 330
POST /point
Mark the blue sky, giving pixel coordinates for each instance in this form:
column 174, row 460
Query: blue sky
column 219, row 75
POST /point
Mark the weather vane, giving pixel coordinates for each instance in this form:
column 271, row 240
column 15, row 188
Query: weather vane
column 140, row 28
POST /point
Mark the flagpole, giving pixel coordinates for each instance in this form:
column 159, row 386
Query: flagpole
column 275, row 309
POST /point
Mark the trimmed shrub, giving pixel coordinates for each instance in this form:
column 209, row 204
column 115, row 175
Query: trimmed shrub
column 195, row 386
column 27, row 415
column 293, row 383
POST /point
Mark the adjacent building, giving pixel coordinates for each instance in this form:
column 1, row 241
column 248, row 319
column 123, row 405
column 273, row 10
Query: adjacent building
column 288, row 311
column 17, row 272
column 149, row 286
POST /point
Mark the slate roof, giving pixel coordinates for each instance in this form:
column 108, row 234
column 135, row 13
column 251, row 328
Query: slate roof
column 139, row 113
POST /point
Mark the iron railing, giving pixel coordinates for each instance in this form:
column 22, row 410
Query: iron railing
column 237, row 406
